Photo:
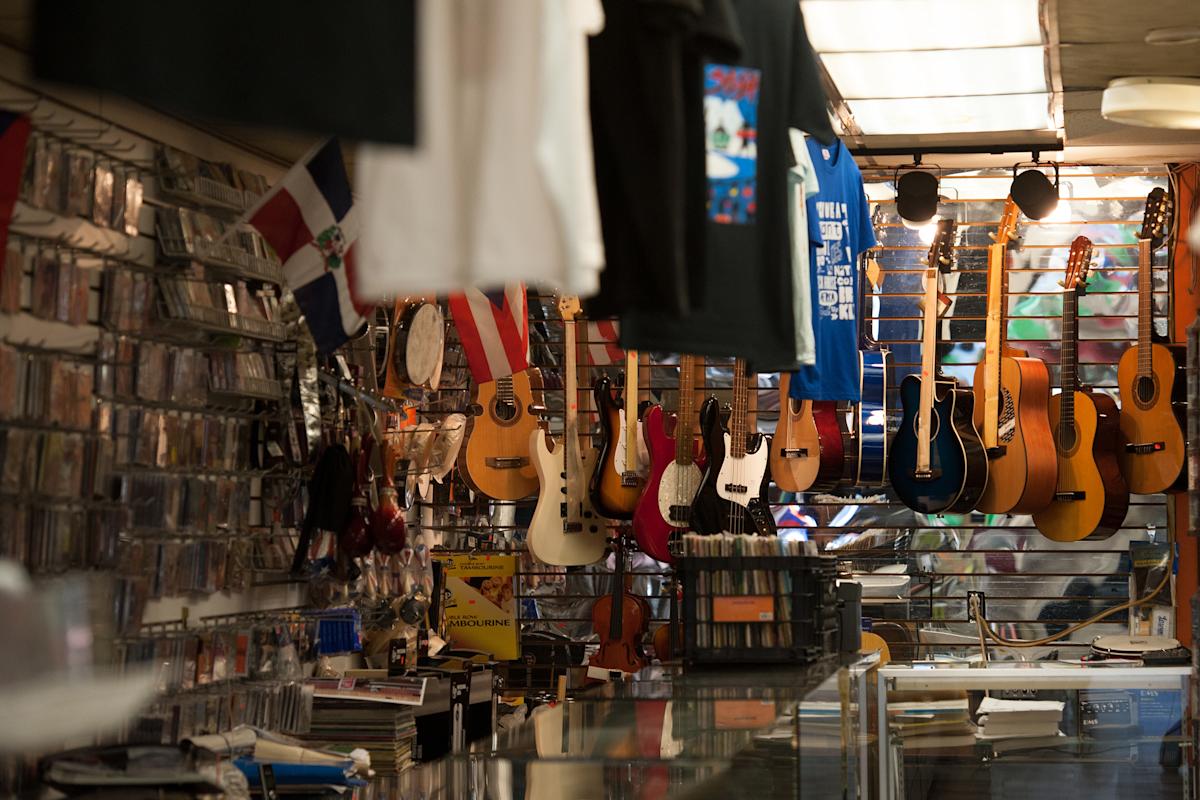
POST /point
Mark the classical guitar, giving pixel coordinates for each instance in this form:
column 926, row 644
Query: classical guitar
column 733, row 494
column 495, row 460
column 620, row 621
column 565, row 530
column 618, row 480
column 808, row 451
column 1091, row 498
column 676, row 468
column 937, row 463
column 1152, row 379
column 870, row 436
column 1012, row 401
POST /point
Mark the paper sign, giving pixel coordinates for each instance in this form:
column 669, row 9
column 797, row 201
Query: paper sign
column 481, row 613
column 754, row 608
column 743, row 714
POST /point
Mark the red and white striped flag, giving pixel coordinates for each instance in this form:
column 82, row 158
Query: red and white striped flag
column 494, row 329
column 602, row 336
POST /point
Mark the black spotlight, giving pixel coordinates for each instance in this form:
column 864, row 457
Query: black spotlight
column 1033, row 193
column 917, row 196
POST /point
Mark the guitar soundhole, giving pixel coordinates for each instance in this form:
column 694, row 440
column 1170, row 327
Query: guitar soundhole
column 504, row 411
column 1145, row 389
column 934, row 424
column 1067, row 437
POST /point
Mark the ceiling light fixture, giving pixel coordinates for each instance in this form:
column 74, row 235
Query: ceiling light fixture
column 1153, row 102
column 1033, row 193
column 917, row 195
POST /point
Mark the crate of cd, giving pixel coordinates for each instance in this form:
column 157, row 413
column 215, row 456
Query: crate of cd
column 758, row 609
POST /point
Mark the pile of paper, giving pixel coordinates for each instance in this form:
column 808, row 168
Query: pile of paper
column 933, row 724
column 1019, row 719
column 387, row 731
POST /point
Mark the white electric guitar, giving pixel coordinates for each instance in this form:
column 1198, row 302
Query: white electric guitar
column 565, row 530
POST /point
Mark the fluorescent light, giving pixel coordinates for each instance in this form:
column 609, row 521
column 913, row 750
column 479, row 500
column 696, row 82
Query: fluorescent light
column 884, row 25
column 938, row 73
column 1013, row 112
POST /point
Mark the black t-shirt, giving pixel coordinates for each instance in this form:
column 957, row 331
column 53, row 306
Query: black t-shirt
column 645, row 98
column 745, row 278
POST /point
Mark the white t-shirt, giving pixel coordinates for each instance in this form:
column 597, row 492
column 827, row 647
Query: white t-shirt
column 499, row 187
column 802, row 184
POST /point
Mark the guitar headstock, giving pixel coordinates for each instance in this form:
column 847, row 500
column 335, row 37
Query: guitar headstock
column 1154, row 220
column 568, row 306
column 941, row 250
column 1008, row 222
column 1079, row 263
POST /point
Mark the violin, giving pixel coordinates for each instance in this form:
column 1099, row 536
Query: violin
column 668, row 639
column 620, row 620
column 387, row 523
column 355, row 540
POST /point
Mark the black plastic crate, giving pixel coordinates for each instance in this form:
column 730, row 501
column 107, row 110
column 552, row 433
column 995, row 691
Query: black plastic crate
column 799, row 623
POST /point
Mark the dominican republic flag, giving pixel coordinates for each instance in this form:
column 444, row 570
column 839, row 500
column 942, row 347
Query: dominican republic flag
column 308, row 218
column 14, row 133
column 494, row 329
column 602, row 345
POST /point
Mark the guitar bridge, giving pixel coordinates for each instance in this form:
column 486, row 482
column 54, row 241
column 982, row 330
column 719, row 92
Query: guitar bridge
column 794, row 452
column 681, row 514
column 572, row 527
column 736, row 488
column 926, row 474
column 506, row 462
column 629, row 479
column 1066, row 497
column 1142, row 448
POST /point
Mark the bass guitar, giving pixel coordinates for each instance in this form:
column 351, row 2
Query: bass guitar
column 618, row 480
column 808, row 451
column 870, row 438
column 565, row 530
column 1152, row 379
column 1091, row 497
column 937, row 462
column 620, row 620
column 495, row 460
column 733, row 495
column 1012, row 401
column 676, row 469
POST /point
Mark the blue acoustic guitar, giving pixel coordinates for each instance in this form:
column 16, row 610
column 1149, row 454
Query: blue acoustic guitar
column 871, row 418
column 937, row 461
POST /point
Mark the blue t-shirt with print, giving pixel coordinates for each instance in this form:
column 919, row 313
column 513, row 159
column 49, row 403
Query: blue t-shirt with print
column 840, row 211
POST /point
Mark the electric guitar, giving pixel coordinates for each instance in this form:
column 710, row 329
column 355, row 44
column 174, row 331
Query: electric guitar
column 808, row 451
column 870, row 439
column 733, row 495
column 565, row 530
column 937, row 462
column 676, row 469
column 1091, row 497
column 495, row 461
column 1152, row 379
column 1012, row 401
column 618, row 480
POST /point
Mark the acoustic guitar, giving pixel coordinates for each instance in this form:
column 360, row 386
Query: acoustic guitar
column 870, row 435
column 808, row 450
column 1091, row 497
column 565, row 530
column 733, row 494
column 618, row 480
column 1152, row 379
column 676, row 469
column 1012, row 401
column 495, row 460
column 937, row 462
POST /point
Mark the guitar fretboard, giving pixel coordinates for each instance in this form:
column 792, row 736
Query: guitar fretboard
column 1070, row 368
column 1145, row 308
column 685, row 415
column 504, row 390
column 737, row 417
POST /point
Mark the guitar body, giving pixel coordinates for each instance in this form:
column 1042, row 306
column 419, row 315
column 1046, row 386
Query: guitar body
column 718, row 508
column 957, row 458
column 872, row 433
column 495, row 460
column 614, row 493
column 1152, row 456
column 1089, row 470
column 1021, row 479
column 561, row 533
column 808, row 449
column 665, row 506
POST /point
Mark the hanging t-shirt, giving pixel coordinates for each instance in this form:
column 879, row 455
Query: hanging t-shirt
column 746, row 276
column 500, row 187
column 803, row 184
column 844, row 219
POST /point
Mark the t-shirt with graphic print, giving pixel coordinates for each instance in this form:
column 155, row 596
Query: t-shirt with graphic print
column 844, row 219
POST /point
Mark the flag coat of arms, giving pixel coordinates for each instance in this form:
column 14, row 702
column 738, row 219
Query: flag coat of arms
column 310, row 221
column 494, row 330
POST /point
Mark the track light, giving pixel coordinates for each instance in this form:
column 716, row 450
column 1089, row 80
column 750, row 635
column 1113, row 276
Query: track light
column 917, row 195
column 1033, row 193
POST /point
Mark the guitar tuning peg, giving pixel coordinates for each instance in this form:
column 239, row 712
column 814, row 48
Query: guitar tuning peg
column 1063, row 284
column 992, row 235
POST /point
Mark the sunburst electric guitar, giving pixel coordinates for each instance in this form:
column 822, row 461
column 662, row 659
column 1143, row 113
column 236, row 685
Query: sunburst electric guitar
column 1091, row 497
column 1012, row 401
column 1153, row 380
column 565, row 530
column 619, row 479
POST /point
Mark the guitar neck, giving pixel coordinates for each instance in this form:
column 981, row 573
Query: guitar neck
column 631, row 418
column 928, row 367
column 685, row 417
column 571, row 401
column 737, row 417
column 1069, row 368
column 1145, row 307
column 994, row 345
column 504, row 390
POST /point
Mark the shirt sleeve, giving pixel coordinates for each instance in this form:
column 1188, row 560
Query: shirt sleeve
column 866, row 231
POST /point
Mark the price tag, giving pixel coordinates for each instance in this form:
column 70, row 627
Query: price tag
column 874, row 272
column 752, row 608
